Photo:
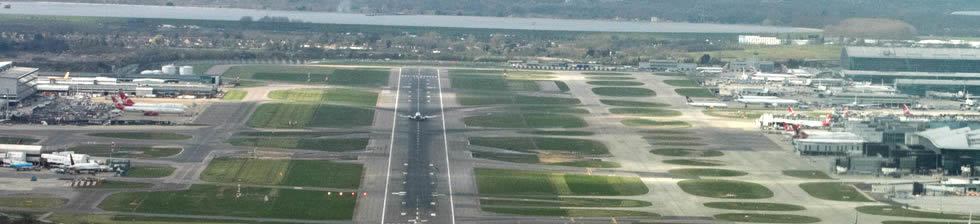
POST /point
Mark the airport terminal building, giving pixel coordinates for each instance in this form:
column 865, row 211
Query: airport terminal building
column 959, row 148
column 914, row 70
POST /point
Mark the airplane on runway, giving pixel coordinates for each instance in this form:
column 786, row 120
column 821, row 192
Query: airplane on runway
column 703, row 104
column 419, row 117
column 766, row 100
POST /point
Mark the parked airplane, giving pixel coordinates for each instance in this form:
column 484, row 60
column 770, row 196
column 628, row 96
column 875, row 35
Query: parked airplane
column 126, row 101
column 64, row 78
column 23, row 166
column 150, row 110
column 808, row 123
column 791, row 112
column 906, row 110
column 89, row 166
column 703, row 104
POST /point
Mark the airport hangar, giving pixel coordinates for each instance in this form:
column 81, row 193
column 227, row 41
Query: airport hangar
column 912, row 70
column 16, row 83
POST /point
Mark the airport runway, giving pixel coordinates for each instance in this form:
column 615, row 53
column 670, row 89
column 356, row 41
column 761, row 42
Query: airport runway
column 417, row 187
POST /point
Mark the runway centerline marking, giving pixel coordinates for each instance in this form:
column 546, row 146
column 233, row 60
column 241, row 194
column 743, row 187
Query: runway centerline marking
column 394, row 122
column 445, row 144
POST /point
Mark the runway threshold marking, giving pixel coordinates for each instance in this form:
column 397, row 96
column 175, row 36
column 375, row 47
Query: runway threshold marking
column 394, row 121
column 445, row 144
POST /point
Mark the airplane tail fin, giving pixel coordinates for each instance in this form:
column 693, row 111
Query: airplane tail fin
column 71, row 158
column 20, row 141
column 790, row 109
column 66, row 75
column 689, row 99
column 120, row 106
column 826, row 122
column 844, row 110
column 905, row 109
column 129, row 102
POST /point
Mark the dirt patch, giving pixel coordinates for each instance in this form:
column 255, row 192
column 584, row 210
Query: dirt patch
column 546, row 156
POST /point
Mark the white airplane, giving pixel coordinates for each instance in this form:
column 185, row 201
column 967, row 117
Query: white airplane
column 89, row 166
column 126, row 101
column 149, row 109
column 419, row 117
column 704, row 104
column 767, row 100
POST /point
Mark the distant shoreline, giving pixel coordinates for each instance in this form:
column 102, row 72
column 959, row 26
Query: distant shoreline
column 233, row 14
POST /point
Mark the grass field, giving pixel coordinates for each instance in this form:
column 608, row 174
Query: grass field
column 834, row 191
column 562, row 86
column 686, row 152
column 609, row 78
column 673, row 138
column 694, row 92
column 133, row 219
column 667, row 131
column 142, row 135
column 807, row 174
column 311, row 134
column 653, row 123
column 754, row 206
column 777, row 53
column 328, row 145
column 564, row 202
column 766, row 218
column 529, row 144
column 533, row 159
column 233, row 95
column 529, row 183
column 552, row 109
column 593, row 163
column 729, row 189
column 559, row 133
column 246, row 83
column 149, row 171
column 525, row 120
column 681, row 83
column 126, row 151
column 332, row 95
column 570, row 212
column 623, row 91
column 615, row 83
column 14, row 140
column 695, row 162
column 297, row 115
column 902, row 212
column 694, row 172
column 213, row 200
column 498, row 80
column 647, row 112
column 317, row 75
column 32, row 202
column 474, row 99
column 304, row 173
column 604, row 73
column 668, row 73
column 627, row 103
